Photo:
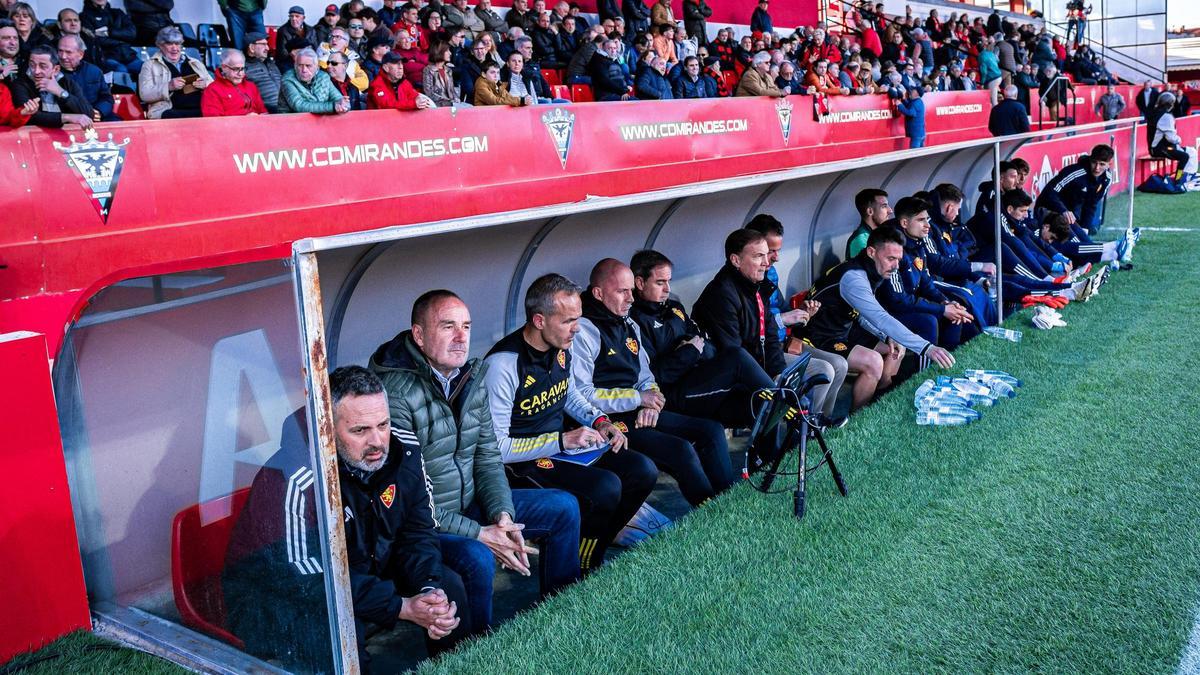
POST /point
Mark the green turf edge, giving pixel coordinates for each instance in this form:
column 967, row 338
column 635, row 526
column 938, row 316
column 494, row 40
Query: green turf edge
column 83, row 652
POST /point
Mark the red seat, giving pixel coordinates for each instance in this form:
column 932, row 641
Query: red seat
column 272, row 31
column 582, row 93
column 552, row 77
column 561, row 91
column 197, row 559
column 126, row 107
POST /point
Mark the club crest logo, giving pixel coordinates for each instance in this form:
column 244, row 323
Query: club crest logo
column 388, row 496
column 839, row 346
column 783, row 110
column 631, row 345
column 560, row 122
column 545, row 464
column 679, row 313
column 562, row 359
column 919, row 263
column 1044, row 174
column 98, row 165
column 622, row 426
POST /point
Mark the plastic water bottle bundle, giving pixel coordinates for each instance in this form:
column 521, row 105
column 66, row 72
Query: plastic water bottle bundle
column 940, row 405
column 951, row 401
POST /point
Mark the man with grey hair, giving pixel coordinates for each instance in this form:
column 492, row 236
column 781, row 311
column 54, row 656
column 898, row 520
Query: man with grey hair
column 651, row 83
column 609, row 80
column 757, row 81
column 1111, row 104
column 492, row 21
column 307, row 88
column 1009, row 116
column 171, row 82
column 533, row 71
column 71, row 55
column 231, row 94
column 273, row 583
column 531, row 395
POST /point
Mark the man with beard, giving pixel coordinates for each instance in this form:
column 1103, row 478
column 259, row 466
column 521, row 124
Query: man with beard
column 273, row 580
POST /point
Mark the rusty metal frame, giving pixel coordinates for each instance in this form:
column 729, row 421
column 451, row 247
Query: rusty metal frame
column 324, row 458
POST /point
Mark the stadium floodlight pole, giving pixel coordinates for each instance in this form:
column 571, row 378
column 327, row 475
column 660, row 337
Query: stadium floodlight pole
column 999, row 223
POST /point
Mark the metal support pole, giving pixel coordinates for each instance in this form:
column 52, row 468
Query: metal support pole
column 999, row 224
column 1133, row 151
column 325, row 465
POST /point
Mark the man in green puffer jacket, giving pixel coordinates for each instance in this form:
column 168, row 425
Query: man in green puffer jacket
column 437, row 392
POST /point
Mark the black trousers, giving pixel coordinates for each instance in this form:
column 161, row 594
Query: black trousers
column 691, row 449
column 610, row 492
column 1169, row 150
column 720, row 388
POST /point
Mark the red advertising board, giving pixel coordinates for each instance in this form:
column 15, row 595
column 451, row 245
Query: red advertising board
column 156, row 196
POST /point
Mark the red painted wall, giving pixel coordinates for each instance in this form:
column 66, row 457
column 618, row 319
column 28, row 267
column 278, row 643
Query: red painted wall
column 42, row 594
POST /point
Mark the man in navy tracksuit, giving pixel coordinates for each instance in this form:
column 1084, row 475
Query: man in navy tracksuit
column 1009, row 179
column 1075, row 194
column 531, row 393
column 948, row 247
column 1077, row 190
column 1060, row 234
column 1023, row 271
column 273, row 584
column 910, row 295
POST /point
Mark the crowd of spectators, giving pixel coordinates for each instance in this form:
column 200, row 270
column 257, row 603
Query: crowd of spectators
column 445, row 52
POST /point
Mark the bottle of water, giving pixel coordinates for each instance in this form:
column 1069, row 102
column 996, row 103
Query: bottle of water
column 995, row 374
column 1003, row 333
column 999, row 387
column 976, row 392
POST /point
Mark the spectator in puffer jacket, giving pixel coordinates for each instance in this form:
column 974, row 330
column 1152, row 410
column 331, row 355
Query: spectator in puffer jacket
column 307, row 89
column 437, row 392
column 651, row 83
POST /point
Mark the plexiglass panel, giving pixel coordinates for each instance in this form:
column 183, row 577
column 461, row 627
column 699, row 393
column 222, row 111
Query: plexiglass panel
column 182, row 403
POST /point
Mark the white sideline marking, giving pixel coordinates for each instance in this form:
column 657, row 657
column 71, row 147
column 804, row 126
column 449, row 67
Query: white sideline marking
column 1190, row 663
column 1157, row 229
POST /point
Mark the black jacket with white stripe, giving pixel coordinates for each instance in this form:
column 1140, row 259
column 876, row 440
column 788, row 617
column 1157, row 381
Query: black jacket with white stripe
column 391, row 534
column 274, row 554
column 1075, row 189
